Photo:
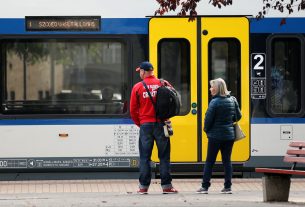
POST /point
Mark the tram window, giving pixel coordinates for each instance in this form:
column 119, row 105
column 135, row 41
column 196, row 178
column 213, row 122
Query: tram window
column 285, row 76
column 67, row 76
column 224, row 62
column 174, row 66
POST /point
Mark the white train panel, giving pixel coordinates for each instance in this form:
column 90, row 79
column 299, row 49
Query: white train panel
column 69, row 141
column 273, row 139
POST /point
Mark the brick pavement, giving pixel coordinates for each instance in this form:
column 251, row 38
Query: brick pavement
column 128, row 186
column 118, row 193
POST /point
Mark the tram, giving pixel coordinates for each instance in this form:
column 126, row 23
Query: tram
column 66, row 79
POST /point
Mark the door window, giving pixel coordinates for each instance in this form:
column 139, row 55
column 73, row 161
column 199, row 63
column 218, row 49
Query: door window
column 224, row 62
column 174, row 66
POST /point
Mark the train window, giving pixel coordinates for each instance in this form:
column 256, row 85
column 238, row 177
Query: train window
column 66, row 76
column 285, row 76
column 174, row 66
column 224, row 62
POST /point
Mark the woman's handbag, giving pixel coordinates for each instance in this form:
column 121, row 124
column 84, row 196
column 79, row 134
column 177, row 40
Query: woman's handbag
column 239, row 134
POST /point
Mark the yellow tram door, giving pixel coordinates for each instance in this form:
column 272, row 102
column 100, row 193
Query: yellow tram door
column 190, row 53
column 172, row 51
column 225, row 54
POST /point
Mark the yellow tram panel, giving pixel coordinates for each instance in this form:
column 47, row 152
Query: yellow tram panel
column 184, row 141
column 229, row 27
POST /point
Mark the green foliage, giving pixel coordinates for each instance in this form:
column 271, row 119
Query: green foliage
column 65, row 53
column 29, row 52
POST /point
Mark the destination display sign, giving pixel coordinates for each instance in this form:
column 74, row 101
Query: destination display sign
column 62, row 23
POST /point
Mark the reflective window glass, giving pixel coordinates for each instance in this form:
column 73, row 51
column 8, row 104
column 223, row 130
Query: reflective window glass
column 174, row 66
column 69, row 76
column 224, row 62
column 285, row 76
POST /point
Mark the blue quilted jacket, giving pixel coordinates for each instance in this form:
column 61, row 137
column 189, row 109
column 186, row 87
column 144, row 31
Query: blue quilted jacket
column 220, row 116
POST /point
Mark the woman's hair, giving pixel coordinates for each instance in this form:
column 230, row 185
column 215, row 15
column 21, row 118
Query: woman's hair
column 221, row 86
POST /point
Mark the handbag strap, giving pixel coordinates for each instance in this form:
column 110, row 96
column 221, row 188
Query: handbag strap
column 234, row 108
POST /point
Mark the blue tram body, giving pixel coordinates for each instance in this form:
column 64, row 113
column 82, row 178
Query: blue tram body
column 54, row 114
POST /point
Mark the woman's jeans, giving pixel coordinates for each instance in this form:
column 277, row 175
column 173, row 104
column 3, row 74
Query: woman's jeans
column 214, row 146
column 150, row 132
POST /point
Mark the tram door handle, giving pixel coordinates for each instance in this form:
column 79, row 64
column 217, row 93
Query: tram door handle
column 194, row 108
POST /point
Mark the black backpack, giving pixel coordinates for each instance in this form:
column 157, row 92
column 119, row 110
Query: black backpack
column 167, row 101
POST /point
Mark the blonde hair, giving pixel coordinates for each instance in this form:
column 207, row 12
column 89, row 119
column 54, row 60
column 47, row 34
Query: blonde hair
column 221, row 86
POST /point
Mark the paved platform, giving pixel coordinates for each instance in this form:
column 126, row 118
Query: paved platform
column 123, row 193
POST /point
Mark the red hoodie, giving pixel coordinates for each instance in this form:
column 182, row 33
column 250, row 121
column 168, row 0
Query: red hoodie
column 141, row 107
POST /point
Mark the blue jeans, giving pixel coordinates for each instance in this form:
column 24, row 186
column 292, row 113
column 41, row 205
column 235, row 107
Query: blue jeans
column 214, row 146
column 150, row 132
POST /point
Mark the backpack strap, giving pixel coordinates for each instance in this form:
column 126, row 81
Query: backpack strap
column 161, row 81
column 150, row 97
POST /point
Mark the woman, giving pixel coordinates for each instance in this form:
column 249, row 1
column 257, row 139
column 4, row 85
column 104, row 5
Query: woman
column 222, row 112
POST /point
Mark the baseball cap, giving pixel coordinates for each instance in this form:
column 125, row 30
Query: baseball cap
column 147, row 66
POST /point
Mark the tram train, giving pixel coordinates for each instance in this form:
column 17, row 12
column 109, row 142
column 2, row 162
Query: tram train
column 66, row 81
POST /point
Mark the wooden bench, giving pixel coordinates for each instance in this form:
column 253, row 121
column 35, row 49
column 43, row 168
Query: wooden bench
column 276, row 182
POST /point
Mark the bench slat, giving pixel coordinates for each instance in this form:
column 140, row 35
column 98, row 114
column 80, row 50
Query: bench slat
column 295, row 152
column 297, row 144
column 279, row 171
column 294, row 159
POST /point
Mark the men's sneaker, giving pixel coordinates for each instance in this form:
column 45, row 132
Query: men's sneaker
column 202, row 190
column 142, row 191
column 169, row 190
column 226, row 191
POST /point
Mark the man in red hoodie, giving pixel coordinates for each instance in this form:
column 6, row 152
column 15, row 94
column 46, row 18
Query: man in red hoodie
column 151, row 129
